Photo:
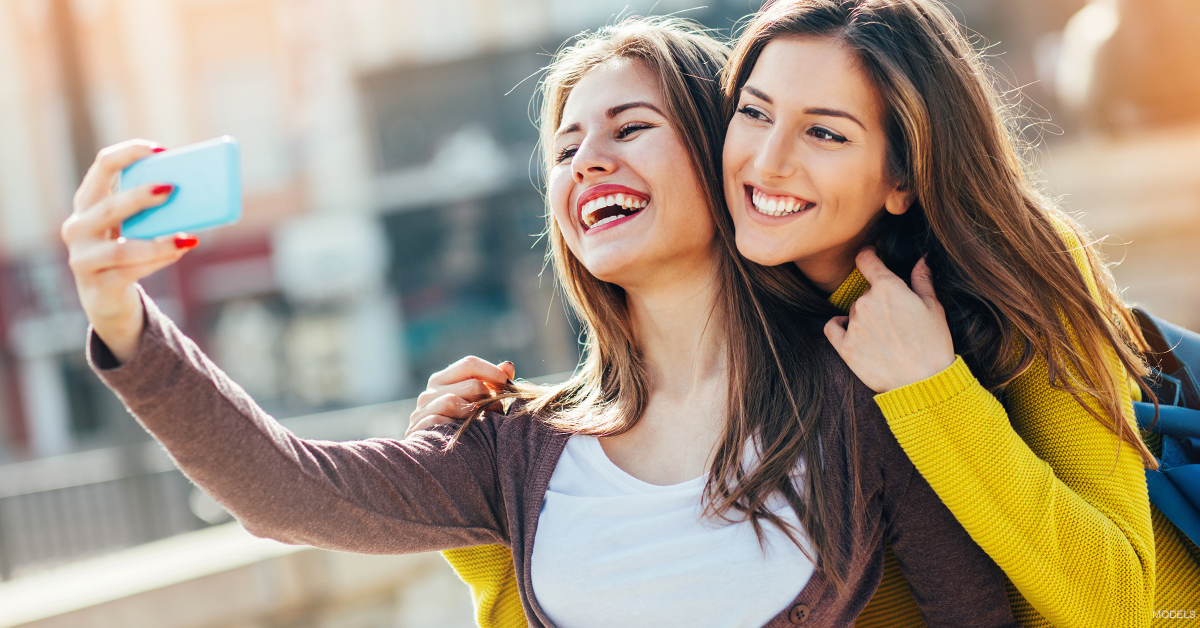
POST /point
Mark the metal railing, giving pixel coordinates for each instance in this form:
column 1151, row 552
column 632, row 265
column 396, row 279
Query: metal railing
column 62, row 509
column 66, row 508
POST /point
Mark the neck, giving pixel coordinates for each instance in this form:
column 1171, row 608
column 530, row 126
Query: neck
column 826, row 275
column 679, row 329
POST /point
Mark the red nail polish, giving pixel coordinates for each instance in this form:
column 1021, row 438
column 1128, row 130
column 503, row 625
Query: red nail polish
column 158, row 149
column 165, row 188
column 186, row 242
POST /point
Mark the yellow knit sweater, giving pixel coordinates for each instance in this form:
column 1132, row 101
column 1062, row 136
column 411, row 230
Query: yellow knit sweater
column 1038, row 484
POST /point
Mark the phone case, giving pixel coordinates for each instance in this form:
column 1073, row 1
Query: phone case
column 208, row 189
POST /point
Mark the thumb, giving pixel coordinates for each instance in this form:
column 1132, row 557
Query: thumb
column 509, row 368
column 922, row 283
column 835, row 331
column 872, row 268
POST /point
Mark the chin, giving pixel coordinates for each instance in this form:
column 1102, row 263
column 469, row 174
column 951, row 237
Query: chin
column 762, row 251
column 605, row 268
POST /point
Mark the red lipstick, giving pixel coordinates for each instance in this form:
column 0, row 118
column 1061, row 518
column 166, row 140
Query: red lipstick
column 603, row 190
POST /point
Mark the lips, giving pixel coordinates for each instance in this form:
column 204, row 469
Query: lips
column 605, row 204
column 776, row 205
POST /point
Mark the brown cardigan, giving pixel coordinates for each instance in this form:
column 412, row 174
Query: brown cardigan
column 383, row 496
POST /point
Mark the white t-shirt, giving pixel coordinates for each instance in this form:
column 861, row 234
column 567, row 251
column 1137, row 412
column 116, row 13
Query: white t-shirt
column 612, row 550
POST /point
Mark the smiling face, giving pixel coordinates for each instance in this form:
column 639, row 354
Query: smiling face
column 622, row 188
column 805, row 159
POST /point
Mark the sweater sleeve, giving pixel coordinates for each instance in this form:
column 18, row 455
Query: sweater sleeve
column 1045, row 488
column 375, row 496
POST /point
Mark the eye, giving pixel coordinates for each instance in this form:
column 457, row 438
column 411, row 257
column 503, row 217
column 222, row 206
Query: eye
column 826, row 135
column 566, row 154
column 754, row 113
column 631, row 128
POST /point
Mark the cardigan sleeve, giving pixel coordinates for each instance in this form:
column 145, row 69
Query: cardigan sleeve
column 944, row 567
column 1045, row 488
column 376, row 496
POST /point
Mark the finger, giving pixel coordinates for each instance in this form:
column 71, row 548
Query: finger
column 112, row 211
column 133, row 274
column 835, row 331
column 922, row 282
column 428, row 422
column 872, row 267
column 451, row 406
column 470, row 367
column 470, row 390
column 509, row 368
column 103, row 255
column 110, row 161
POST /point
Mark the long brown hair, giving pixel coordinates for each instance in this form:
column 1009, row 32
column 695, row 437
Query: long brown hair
column 1010, row 287
column 770, row 321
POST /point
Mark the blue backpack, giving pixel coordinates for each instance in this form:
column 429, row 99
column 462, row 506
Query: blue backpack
column 1175, row 486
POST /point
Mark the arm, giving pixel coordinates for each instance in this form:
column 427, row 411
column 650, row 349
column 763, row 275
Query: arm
column 376, row 496
column 952, row 580
column 1041, row 489
column 371, row 496
column 487, row 569
column 1039, row 485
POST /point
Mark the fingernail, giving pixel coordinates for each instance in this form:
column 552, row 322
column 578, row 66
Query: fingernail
column 186, row 242
column 165, row 188
column 158, row 149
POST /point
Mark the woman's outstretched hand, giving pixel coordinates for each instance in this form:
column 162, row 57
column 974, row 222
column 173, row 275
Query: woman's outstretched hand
column 894, row 336
column 454, row 389
column 106, row 266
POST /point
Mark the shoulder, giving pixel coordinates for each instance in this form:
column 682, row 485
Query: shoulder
column 524, row 437
column 1073, row 244
column 515, row 428
column 843, row 391
column 848, row 408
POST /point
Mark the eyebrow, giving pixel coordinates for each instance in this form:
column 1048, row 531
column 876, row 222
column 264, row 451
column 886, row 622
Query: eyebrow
column 815, row 111
column 612, row 113
column 571, row 129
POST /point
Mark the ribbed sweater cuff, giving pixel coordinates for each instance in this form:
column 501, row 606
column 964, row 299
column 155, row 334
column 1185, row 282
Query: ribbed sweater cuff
column 927, row 393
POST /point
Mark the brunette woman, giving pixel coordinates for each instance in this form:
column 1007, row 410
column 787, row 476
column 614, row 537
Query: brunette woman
column 689, row 474
column 1006, row 370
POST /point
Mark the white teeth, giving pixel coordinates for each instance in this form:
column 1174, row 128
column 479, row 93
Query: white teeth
column 776, row 205
column 626, row 201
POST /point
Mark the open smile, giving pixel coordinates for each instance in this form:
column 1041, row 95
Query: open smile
column 607, row 204
column 776, row 206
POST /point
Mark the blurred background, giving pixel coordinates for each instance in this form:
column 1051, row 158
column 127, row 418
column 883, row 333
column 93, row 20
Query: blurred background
column 391, row 222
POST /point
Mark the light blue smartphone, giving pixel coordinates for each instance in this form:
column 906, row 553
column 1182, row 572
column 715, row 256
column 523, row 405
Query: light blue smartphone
column 208, row 189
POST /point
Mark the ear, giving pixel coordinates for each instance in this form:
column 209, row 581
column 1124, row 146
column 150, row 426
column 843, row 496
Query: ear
column 898, row 201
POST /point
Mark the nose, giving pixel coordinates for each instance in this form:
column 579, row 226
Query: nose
column 591, row 159
column 775, row 156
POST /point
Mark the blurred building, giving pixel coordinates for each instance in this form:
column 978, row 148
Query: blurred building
column 391, row 200
column 390, row 219
column 392, row 208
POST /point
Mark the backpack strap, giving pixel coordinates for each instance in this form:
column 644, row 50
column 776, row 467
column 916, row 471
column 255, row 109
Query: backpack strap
column 1175, row 355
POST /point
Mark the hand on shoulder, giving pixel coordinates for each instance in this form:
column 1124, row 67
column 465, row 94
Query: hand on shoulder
column 453, row 390
column 894, row 335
